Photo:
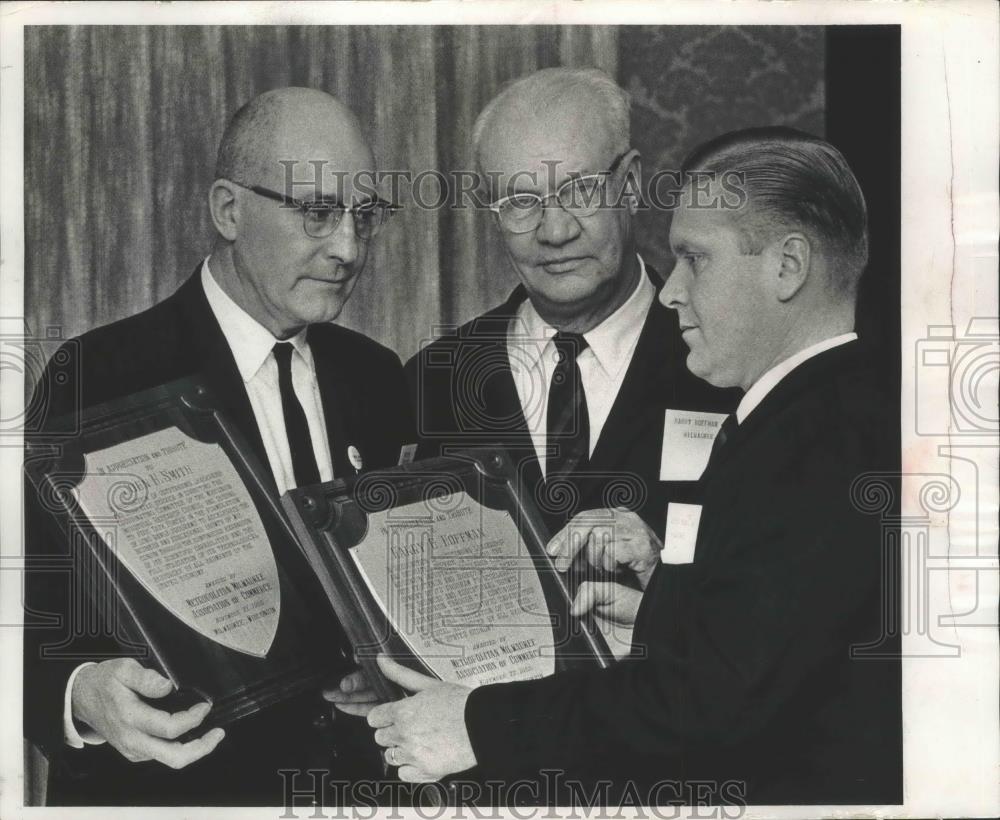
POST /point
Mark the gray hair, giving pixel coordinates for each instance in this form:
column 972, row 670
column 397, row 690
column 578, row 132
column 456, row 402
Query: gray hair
column 549, row 86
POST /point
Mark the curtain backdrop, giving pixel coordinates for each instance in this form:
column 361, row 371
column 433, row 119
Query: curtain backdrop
column 122, row 124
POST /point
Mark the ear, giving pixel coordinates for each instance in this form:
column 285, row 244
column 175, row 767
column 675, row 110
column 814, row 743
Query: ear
column 794, row 257
column 632, row 185
column 224, row 207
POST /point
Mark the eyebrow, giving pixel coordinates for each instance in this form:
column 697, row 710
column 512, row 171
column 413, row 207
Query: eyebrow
column 681, row 247
column 524, row 185
column 333, row 201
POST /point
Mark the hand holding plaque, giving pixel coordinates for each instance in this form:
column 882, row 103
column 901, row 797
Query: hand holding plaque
column 441, row 565
column 608, row 539
column 353, row 694
column 109, row 698
column 424, row 735
column 192, row 569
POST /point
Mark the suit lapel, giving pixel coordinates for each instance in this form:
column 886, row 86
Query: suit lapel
column 212, row 357
column 814, row 370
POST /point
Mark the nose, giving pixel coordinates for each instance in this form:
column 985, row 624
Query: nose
column 557, row 226
column 343, row 244
column 674, row 293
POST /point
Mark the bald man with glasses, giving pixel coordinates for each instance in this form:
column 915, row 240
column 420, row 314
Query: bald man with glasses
column 314, row 400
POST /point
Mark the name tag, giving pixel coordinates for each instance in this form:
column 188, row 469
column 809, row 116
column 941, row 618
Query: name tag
column 687, row 443
column 682, row 533
column 406, row 454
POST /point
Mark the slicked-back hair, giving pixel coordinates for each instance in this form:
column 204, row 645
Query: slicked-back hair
column 550, row 86
column 793, row 181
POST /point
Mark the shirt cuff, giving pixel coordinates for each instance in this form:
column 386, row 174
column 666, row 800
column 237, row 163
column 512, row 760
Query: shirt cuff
column 75, row 738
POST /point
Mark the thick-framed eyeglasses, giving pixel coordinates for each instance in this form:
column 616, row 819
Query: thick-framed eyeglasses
column 321, row 217
column 580, row 196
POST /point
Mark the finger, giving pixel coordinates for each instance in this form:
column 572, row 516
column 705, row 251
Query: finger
column 601, row 548
column 389, row 736
column 557, row 543
column 353, row 688
column 593, row 551
column 407, row 678
column 354, row 681
column 162, row 724
column 364, row 696
column 411, row 774
column 147, row 682
column 382, row 715
column 583, row 602
column 608, row 559
column 571, row 539
column 592, row 595
column 620, row 606
column 356, row 709
column 396, row 756
column 178, row 755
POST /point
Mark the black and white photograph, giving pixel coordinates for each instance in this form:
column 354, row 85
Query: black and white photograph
column 572, row 409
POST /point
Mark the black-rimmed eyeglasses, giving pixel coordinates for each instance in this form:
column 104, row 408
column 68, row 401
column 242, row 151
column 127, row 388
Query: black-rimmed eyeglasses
column 580, row 196
column 321, row 217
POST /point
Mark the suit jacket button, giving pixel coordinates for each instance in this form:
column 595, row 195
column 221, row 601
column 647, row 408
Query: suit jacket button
column 321, row 722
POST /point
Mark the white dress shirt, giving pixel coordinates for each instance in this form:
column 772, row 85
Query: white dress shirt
column 603, row 364
column 766, row 383
column 251, row 344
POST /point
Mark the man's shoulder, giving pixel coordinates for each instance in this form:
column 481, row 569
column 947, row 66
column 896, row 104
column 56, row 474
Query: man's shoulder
column 158, row 323
column 351, row 347
column 858, row 393
column 118, row 358
column 489, row 328
column 134, row 342
column 863, row 405
column 845, row 420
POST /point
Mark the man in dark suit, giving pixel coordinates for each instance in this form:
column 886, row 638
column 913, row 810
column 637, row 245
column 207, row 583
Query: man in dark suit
column 314, row 401
column 771, row 671
column 573, row 373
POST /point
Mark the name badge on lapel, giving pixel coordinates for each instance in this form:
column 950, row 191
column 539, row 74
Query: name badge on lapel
column 687, row 443
column 682, row 533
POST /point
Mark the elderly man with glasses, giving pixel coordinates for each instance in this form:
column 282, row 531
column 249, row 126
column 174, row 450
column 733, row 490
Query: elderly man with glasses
column 295, row 216
column 574, row 372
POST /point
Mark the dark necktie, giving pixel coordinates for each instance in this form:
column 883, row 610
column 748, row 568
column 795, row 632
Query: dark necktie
column 725, row 434
column 296, row 426
column 567, row 430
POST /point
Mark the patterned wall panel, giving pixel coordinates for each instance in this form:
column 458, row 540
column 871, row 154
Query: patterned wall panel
column 691, row 83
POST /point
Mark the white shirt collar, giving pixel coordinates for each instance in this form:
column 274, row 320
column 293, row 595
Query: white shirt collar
column 766, row 383
column 612, row 341
column 249, row 340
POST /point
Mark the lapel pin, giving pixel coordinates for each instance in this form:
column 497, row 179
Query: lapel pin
column 354, row 456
